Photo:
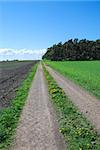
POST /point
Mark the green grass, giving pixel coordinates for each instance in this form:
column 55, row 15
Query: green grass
column 84, row 73
column 9, row 117
column 77, row 131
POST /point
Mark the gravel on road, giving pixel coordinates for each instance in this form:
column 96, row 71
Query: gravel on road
column 38, row 127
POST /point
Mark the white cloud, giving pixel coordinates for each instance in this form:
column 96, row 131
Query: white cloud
column 5, row 51
column 22, row 53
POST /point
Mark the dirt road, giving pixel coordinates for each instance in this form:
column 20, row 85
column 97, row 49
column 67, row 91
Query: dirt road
column 86, row 103
column 38, row 129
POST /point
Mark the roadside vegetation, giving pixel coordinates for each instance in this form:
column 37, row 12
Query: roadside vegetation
column 84, row 73
column 77, row 131
column 9, row 117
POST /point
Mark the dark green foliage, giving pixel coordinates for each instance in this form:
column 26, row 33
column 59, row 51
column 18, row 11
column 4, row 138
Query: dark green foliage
column 74, row 50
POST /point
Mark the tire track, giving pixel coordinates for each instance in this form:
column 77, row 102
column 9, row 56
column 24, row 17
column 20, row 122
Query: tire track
column 38, row 129
column 86, row 103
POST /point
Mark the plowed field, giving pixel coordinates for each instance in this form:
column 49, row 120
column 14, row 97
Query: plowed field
column 11, row 76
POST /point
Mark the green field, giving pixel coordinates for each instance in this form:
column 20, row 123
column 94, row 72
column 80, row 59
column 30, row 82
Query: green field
column 76, row 130
column 84, row 73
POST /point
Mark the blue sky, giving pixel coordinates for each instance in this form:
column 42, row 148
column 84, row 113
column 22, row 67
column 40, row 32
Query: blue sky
column 28, row 28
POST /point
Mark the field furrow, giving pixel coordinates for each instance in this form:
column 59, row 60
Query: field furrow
column 11, row 76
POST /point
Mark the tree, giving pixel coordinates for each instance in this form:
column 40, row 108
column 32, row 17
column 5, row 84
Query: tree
column 74, row 50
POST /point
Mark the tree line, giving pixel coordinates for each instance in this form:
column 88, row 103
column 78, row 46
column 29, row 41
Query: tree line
column 74, row 50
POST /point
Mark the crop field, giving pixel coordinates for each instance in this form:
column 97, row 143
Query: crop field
column 77, row 131
column 11, row 76
column 23, row 84
column 84, row 73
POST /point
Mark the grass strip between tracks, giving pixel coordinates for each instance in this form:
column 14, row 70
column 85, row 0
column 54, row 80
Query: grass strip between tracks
column 9, row 117
column 77, row 131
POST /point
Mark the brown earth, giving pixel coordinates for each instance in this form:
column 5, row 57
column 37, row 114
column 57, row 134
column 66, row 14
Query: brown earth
column 86, row 103
column 38, row 128
column 11, row 76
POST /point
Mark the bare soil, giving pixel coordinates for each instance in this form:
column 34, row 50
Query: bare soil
column 11, row 76
column 86, row 103
column 38, row 128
